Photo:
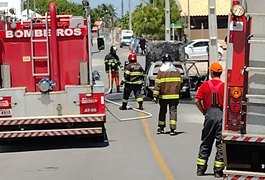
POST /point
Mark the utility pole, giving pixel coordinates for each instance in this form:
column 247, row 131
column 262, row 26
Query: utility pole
column 167, row 21
column 130, row 16
column 189, row 35
column 121, row 8
column 213, row 50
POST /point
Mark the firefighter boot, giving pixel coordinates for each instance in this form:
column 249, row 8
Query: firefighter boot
column 124, row 106
column 201, row 169
column 118, row 90
column 160, row 130
column 141, row 105
column 218, row 172
column 172, row 132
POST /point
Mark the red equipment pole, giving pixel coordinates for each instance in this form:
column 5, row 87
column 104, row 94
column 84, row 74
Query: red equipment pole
column 55, row 70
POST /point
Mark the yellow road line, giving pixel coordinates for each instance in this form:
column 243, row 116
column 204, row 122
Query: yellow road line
column 158, row 156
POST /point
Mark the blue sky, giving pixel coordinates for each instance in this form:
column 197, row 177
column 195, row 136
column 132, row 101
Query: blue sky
column 116, row 3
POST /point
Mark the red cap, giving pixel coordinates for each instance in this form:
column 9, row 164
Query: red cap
column 132, row 57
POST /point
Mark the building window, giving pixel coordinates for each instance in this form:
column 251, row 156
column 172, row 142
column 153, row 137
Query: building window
column 3, row 4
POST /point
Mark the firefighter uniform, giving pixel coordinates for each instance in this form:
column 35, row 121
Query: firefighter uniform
column 112, row 64
column 133, row 76
column 167, row 88
column 211, row 93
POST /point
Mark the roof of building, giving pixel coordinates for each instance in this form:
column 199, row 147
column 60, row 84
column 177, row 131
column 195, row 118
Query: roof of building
column 200, row 8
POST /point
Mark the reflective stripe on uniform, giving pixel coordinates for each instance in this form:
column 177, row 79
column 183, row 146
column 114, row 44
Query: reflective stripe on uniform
column 136, row 73
column 169, row 96
column 155, row 92
column 173, row 122
column 157, row 81
column 135, row 82
column 218, row 164
column 201, row 162
column 175, row 79
column 165, row 80
column 139, row 99
column 162, row 123
column 127, row 72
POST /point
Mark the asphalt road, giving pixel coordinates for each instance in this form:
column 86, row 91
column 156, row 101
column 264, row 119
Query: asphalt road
column 131, row 151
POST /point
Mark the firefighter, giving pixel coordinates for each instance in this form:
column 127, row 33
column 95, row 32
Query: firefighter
column 167, row 89
column 112, row 65
column 133, row 76
column 209, row 100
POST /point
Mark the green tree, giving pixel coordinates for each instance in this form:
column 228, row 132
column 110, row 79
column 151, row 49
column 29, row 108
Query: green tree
column 63, row 7
column 150, row 18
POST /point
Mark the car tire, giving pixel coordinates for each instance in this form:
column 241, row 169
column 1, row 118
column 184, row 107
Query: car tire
column 220, row 56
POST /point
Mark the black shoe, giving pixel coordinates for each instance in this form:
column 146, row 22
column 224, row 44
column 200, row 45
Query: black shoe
column 160, row 130
column 122, row 108
column 140, row 108
column 218, row 174
column 119, row 91
column 201, row 170
column 172, row 132
column 110, row 91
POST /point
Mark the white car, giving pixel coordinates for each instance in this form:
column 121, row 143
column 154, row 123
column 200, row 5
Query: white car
column 197, row 50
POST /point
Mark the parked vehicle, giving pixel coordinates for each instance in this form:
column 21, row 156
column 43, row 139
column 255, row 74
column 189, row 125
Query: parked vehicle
column 47, row 87
column 126, row 38
column 197, row 50
column 152, row 73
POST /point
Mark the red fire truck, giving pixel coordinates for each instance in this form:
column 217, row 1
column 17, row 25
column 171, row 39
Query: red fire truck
column 47, row 87
column 244, row 116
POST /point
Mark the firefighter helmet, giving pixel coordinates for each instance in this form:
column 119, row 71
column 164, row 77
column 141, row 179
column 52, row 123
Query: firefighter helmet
column 132, row 57
column 167, row 58
column 113, row 48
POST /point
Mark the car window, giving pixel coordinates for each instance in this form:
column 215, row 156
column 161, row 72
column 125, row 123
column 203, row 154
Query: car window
column 201, row 44
column 126, row 37
column 205, row 43
column 189, row 43
column 198, row 44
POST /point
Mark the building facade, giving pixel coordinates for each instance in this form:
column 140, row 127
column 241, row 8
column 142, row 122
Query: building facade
column 6, row 5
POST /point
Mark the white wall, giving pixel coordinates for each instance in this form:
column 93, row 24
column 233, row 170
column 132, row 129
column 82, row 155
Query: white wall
column 8, row 4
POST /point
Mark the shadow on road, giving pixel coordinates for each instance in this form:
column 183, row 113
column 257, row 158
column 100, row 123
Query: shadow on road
column 52, row 143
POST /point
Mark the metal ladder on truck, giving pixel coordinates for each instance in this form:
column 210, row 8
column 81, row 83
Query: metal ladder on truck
column 254, row 75
column 34, row 41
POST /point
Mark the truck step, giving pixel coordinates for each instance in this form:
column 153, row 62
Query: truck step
column 54, row 132
column 39, row 40
column 255, row 96
column 39, row 57
column 256, row 69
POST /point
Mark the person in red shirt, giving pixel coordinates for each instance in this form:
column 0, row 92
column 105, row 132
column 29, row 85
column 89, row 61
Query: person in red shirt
column 209, row 100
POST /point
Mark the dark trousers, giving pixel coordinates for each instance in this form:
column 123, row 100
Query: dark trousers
column 212, row 130
column 164, row 103
column 136, row 88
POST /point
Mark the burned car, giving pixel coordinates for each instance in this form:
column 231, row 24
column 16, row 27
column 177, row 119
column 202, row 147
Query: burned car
column 152, row 74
